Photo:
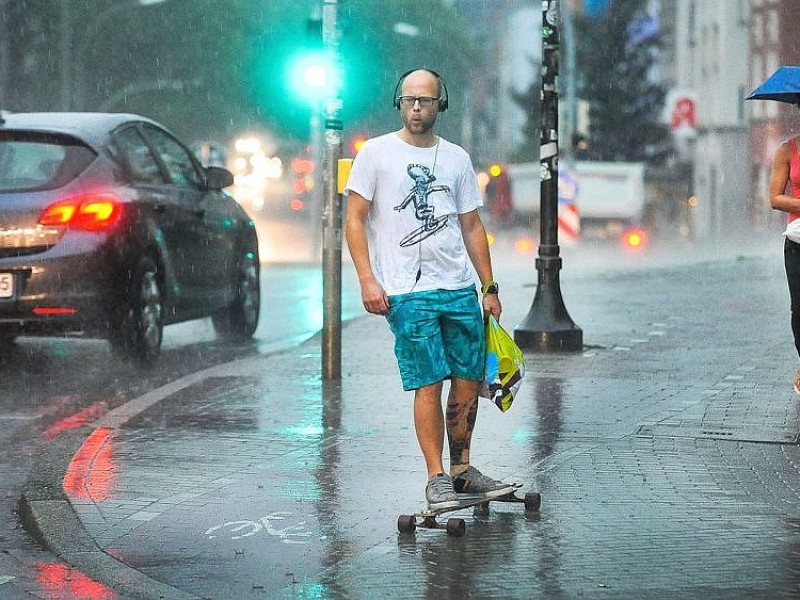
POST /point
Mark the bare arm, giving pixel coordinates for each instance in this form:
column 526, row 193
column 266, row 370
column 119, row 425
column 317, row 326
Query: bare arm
column 778, row 180
column 478, row 250
column 372, row 294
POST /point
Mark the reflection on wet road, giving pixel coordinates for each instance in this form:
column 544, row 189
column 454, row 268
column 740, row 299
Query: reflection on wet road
column 51, row 386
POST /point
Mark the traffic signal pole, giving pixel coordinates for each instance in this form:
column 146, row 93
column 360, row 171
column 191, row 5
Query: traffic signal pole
column 548, row 326
column 332, row 211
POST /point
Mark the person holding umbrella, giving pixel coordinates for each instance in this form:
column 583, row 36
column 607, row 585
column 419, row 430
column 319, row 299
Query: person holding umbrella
column 784, row 189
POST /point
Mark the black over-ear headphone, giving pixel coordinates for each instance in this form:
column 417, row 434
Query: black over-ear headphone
column 444, row 101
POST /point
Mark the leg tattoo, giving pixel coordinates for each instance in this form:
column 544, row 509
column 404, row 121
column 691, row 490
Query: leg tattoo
column 460, row 417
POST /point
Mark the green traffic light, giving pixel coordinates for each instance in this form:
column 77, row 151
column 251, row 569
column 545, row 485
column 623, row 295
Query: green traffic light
column 315, row 76
column 309, row 78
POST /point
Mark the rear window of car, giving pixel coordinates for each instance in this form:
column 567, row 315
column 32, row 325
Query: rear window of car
column 32, row 161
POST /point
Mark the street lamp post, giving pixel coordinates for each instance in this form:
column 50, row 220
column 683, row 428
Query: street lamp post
column 332, row 213
column 548, row 326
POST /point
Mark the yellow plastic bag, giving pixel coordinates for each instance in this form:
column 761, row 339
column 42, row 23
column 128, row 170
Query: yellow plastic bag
column 505, row 366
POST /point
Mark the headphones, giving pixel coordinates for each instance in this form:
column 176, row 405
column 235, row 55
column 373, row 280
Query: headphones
column 443, row 102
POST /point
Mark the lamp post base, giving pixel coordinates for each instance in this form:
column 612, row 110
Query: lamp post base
column 562, row 340
column 548, row 327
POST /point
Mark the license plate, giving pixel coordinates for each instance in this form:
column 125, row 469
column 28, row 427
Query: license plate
column 6, row 285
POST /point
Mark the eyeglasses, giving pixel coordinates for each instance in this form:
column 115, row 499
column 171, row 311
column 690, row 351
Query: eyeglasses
column 424, row 101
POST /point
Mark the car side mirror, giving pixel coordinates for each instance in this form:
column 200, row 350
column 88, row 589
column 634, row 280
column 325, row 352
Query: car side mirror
column 218, row 178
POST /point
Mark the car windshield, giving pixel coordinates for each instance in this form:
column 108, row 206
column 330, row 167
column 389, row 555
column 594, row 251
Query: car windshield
column 40, row 162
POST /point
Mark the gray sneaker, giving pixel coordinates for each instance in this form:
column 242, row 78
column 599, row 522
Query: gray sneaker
column 440, row 493
column 473, row 481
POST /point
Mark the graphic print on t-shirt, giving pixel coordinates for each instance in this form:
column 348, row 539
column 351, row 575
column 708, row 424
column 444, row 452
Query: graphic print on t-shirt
column 424, row 212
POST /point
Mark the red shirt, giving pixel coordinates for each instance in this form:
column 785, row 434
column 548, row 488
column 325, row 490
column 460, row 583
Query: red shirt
column 794, row 174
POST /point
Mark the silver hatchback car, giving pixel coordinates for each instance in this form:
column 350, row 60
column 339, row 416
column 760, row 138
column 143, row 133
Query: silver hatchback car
column 109, row 227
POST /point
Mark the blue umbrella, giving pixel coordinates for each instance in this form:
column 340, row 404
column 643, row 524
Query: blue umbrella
column 783, row 86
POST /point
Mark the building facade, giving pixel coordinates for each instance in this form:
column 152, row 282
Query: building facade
column 711, row 57
column 774, row 41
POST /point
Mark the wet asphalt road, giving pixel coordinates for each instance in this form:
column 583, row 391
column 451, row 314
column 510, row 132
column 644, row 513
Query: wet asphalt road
column 666, row 453
column 50, row 386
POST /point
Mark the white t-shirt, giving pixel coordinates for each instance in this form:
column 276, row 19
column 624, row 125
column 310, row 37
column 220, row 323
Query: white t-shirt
column 416, row 195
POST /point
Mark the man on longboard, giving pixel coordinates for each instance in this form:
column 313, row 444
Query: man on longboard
column 400, row 183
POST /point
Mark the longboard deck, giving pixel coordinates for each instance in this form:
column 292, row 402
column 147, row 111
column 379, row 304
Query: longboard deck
column 455, row 526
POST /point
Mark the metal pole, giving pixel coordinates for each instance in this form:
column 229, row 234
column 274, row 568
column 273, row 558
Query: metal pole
column 332, row 214
column 548, row 326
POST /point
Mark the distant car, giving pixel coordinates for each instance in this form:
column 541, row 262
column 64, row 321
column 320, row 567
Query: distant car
column 111, row 228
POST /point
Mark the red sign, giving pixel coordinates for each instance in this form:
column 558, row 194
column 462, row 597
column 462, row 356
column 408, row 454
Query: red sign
column 684, row 114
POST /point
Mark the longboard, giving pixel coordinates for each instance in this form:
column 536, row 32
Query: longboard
column 457, row 526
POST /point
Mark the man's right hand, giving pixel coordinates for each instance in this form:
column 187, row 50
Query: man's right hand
column 374, row 297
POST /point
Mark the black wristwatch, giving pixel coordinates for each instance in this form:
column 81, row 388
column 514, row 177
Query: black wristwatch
column 490, row 287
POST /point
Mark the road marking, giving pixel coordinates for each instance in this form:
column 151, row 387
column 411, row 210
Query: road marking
column 243, row 529
column 5, row 579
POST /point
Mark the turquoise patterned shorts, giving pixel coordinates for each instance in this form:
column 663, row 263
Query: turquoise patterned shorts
column 438, row 335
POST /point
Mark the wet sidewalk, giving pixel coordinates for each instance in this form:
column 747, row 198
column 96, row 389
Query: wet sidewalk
column 665, row 452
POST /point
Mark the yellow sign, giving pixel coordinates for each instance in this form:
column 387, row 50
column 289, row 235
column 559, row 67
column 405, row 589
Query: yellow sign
column 345, row 164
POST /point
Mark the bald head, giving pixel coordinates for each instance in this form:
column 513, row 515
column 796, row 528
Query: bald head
column 421, row 78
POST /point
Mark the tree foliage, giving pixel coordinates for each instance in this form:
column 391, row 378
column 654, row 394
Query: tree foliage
column 210, row 69
column 530, row 101
column 616, row 54
column 374, row 56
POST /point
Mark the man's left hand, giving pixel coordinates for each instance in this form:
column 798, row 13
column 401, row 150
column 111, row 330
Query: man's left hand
column 491, row 304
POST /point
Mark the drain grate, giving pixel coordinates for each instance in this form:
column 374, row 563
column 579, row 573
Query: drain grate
column 753, row 433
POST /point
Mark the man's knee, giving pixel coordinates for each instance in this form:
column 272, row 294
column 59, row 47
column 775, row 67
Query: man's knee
column 464, row 390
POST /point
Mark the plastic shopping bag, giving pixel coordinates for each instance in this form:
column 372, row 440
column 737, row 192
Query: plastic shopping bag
column 505, row 366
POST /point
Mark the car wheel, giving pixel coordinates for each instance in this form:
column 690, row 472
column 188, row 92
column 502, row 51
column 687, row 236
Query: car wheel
column 239, row 320
column 141, row 327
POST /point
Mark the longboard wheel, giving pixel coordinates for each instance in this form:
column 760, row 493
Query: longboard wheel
column 406, row 523
column 533, row 500
column 456, row 527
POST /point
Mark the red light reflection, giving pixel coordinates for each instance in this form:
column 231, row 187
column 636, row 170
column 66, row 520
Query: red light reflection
column 61, row 581
column 91, row 472
column 79, row 419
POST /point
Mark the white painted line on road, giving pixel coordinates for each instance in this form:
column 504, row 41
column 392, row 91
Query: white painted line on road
column 6, row 579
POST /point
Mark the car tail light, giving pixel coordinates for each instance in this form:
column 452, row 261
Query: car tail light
column 634, row 240
column 92, row 212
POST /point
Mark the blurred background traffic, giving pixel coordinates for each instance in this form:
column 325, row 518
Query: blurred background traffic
column 656, row 139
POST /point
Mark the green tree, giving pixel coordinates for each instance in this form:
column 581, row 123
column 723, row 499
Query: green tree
column 209, row 69
column 176, row 61
column 616, row 54
column 530, row 101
